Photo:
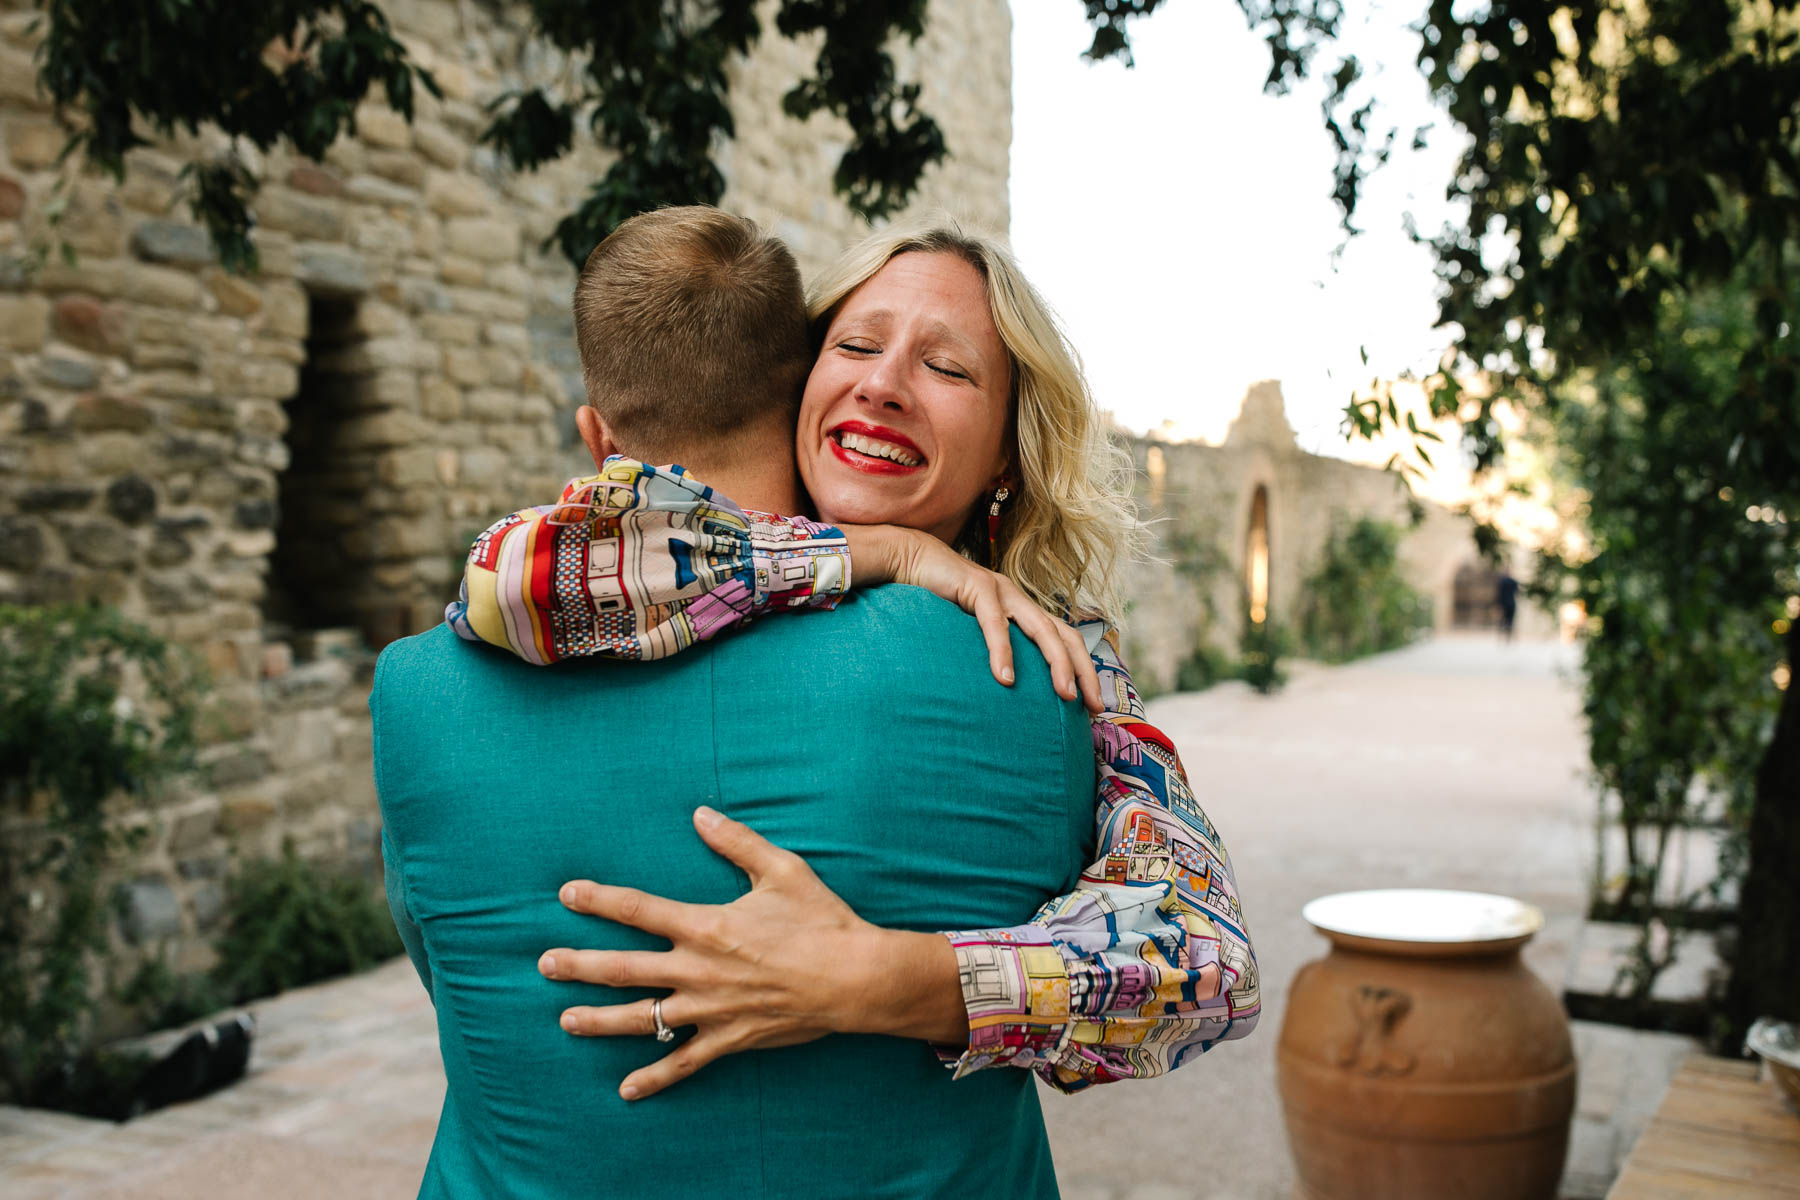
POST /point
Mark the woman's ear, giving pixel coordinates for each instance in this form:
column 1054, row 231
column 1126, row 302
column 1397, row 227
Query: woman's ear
column 1007, row 474
column 594, row 433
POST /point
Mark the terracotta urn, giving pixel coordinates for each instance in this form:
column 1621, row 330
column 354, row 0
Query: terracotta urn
column 1420, row 1058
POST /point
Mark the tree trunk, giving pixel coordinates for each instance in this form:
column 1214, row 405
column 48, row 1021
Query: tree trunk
column 1765, row 977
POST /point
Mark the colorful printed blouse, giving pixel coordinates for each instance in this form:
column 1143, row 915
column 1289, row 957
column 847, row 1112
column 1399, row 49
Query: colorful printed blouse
column 1142, row 967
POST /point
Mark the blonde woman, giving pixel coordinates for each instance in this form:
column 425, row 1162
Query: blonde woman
column 945, row 424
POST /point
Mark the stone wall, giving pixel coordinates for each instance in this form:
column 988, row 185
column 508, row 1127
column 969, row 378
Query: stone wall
column 1198, row 500
column 283, row 471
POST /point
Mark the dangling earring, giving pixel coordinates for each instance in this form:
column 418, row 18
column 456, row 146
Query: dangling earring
column 1000, row 495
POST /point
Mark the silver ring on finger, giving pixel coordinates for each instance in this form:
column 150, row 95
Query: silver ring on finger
column 663, row 1032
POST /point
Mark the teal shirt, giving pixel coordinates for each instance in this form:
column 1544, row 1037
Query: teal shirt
column 870, row 740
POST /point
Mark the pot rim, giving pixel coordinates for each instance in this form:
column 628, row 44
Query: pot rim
column 1777, row 1041
column 1424, row 920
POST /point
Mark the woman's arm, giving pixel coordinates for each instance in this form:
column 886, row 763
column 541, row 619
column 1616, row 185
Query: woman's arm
column 1138, row 970
column 641, row 562
column 1152, row 961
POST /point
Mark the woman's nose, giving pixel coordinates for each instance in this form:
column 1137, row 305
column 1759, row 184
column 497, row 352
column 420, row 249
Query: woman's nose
column 884, row 386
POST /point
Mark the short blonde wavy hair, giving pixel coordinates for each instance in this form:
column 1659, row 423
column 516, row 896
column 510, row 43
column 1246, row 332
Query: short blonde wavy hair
column 1071, row 524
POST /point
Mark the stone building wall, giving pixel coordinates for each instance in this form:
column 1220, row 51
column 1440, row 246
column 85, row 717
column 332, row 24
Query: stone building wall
column 282, row 471
column 1198, row 500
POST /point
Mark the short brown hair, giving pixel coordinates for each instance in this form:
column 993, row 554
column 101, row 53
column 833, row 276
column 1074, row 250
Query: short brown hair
column 691, row 324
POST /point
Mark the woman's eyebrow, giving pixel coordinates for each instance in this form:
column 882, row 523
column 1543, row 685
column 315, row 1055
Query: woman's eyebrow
column 933, row 330
column 942, row 332
column 868, row 317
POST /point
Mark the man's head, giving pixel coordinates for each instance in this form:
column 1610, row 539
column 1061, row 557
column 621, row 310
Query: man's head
column 692, row 329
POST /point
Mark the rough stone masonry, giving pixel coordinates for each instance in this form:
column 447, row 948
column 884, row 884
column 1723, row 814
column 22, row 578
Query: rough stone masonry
column 283, row 471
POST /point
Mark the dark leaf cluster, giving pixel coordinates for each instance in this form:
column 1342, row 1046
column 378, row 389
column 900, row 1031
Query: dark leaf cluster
column 652, row 86
column 893, row 141
column 284, row 71
column 1622, row 155
column 290, row 922
column 649, row 81
column 1111, row 37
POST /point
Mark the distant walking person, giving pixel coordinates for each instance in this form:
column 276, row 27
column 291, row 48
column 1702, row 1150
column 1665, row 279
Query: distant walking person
column 1506, row 595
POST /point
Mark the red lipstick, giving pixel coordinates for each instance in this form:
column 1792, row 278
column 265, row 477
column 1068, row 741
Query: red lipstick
column 869, row 463
column 881, row 433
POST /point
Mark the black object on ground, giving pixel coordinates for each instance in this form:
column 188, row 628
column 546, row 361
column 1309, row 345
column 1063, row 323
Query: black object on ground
column 1688, row 1017
column 121, row 1084
column 206, row 1060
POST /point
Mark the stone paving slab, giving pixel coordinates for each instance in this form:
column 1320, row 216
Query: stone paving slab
column 1455, row 763
column 340, row 1101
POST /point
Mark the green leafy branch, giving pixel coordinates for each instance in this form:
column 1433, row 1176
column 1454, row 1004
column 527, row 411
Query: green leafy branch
column 281, row 71
column 651, row 86
column 91, row 708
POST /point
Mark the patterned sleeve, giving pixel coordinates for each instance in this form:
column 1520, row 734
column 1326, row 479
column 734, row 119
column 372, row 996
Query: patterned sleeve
column 638, row 562
column 1146, row 964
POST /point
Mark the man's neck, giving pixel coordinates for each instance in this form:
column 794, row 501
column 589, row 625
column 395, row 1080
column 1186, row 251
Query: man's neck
column 758, row 473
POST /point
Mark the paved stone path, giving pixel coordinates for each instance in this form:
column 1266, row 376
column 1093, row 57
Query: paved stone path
column 341, row 1103
column 1455, row 763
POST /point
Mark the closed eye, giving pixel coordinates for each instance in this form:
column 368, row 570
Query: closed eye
column 853, row 348
column 950, row 371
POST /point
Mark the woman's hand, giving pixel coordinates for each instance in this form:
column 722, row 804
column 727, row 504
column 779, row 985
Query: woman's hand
column 884, row 553
column 785, row 963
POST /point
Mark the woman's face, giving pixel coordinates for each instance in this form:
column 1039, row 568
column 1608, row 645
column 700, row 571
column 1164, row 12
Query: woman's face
column 904, row 417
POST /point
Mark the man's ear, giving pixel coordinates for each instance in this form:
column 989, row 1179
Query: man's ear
column 596, row 435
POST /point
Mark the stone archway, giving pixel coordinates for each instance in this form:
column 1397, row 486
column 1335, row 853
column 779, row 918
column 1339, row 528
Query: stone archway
column 309, row 577
column 1256, row 556
column 360, row 540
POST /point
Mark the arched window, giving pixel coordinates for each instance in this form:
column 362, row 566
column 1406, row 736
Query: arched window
column 1256, row 556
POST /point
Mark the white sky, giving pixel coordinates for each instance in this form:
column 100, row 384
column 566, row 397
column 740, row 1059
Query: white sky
column 1181, row 222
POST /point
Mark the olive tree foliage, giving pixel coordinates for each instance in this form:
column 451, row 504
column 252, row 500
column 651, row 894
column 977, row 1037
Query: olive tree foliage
column 1620, row 268
column 1688, row 594
column 649, row 82
column 653, row 88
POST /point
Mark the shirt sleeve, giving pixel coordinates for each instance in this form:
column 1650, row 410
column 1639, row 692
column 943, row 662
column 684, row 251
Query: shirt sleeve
column 639, row 562
column 1146, row 964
